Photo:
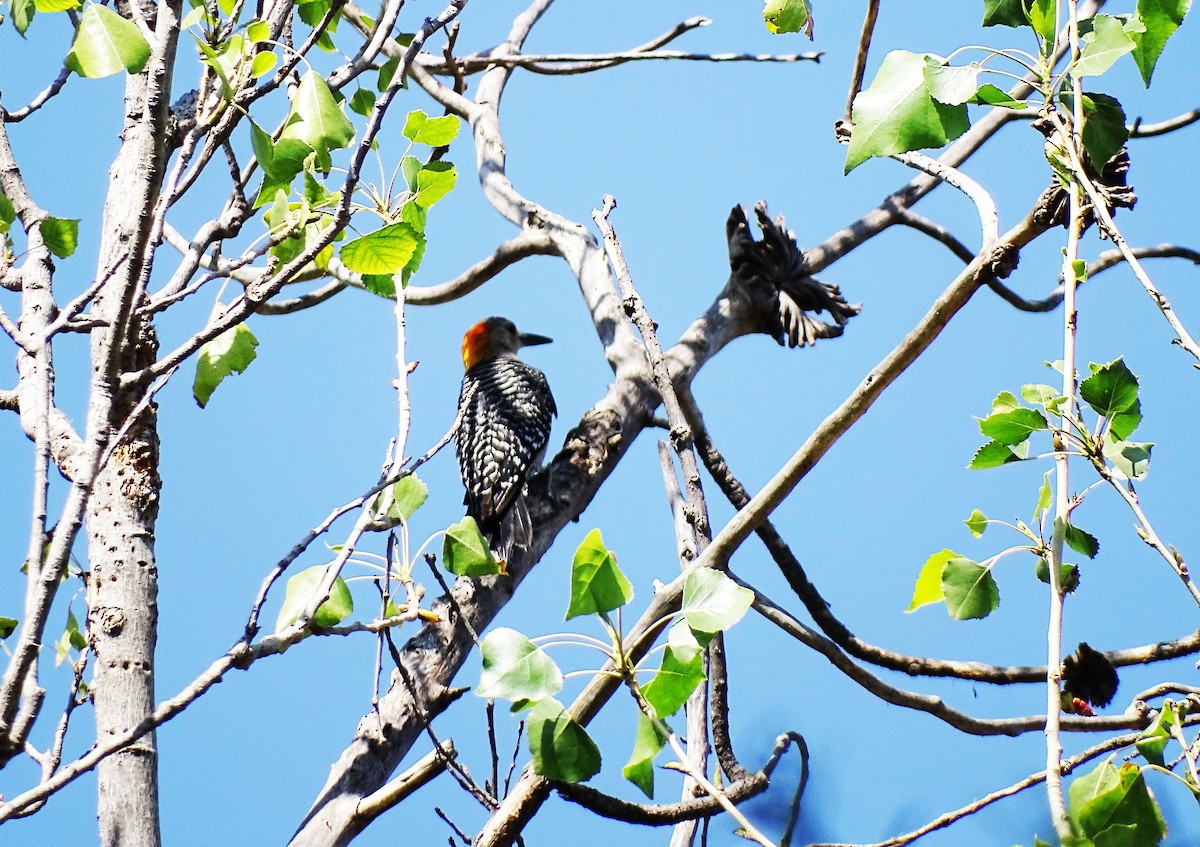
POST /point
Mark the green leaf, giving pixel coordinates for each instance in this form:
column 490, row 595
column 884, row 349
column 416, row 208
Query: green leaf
column 407, row 496
column 434, row 182
column 1123, row 424
column 1106, row 43
column 262, row 64
column 22, row 14
column 1004, row 13
column 971, row 591
column 681, row 671
column 1081, row 542
column 1129, row 459
column 990, row 95
column 712, row 602
column 384, row 251
column 436, row 132
column 1111, row 388
column 896, row 113
column 61, row 235
column 1013, row 427
column 783, row 16
column 363, row 101
column 1104, row 129
column 560, row 745
column 1068, row 574
column 416, row 217
column 1153, row 739
column 514, row 668
column 646, row 743
column 105, row 44
column 977, row 522
column 929, row 581
column 1042, row 395
column 7, row 626
column 465, row 551
column 992, row 455
column 230, row 352
column 300, row 590
column 51, row 6
column 386, row 71
column 1111, row 798
column 258, row 31
column 410, row 166
column 1045, row 497
column 951, row 84
column 382, row 285
column 1043, row 16
column 7, row 213
column 1159, row 19
column 315, row 117
column 71, row 638
column 1005, row 401
column 597, row 584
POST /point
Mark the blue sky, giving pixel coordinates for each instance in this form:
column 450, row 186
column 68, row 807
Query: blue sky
column 678, row 144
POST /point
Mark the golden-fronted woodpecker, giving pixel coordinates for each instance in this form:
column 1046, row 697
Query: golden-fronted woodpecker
column 506, row 407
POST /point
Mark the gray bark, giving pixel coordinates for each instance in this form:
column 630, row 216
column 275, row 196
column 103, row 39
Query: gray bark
column 123, row 587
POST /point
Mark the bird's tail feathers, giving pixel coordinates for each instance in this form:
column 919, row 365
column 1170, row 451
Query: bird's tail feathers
column 514, row 532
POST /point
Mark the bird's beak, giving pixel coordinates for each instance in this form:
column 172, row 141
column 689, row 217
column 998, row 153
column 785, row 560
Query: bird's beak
column 528, row 339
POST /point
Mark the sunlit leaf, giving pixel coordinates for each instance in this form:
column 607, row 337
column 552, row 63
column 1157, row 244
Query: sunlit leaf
column 299, row 594
column 61, row 235
column 1129, row 459
column 784, row 16
column 436, row 132
column 384, row 251
column 929, row 581
column 977, row 522
column 230, row 352
column 681, row 672
column 597, row 584
column 1045, row 497
column 1043, row 17
column 465, row 551
column 1014, row 426
column 514, row 668
column 316, row 118
column 7, row 626
column 22, row 14
column 896, row 113
column 951, row 84
column 1159, row 19
column 712, row 602
column 105, row 44
column 990, row 95
column 1106, row 43
column 407, row 496
column 434, row 181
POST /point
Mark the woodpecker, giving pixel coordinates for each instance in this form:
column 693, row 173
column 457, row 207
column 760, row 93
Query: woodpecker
column 506, row 407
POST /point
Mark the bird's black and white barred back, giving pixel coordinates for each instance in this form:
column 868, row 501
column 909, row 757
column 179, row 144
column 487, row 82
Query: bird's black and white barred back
column 506, row 407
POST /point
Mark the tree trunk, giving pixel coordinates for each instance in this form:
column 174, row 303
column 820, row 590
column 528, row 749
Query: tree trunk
column 123, row 586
